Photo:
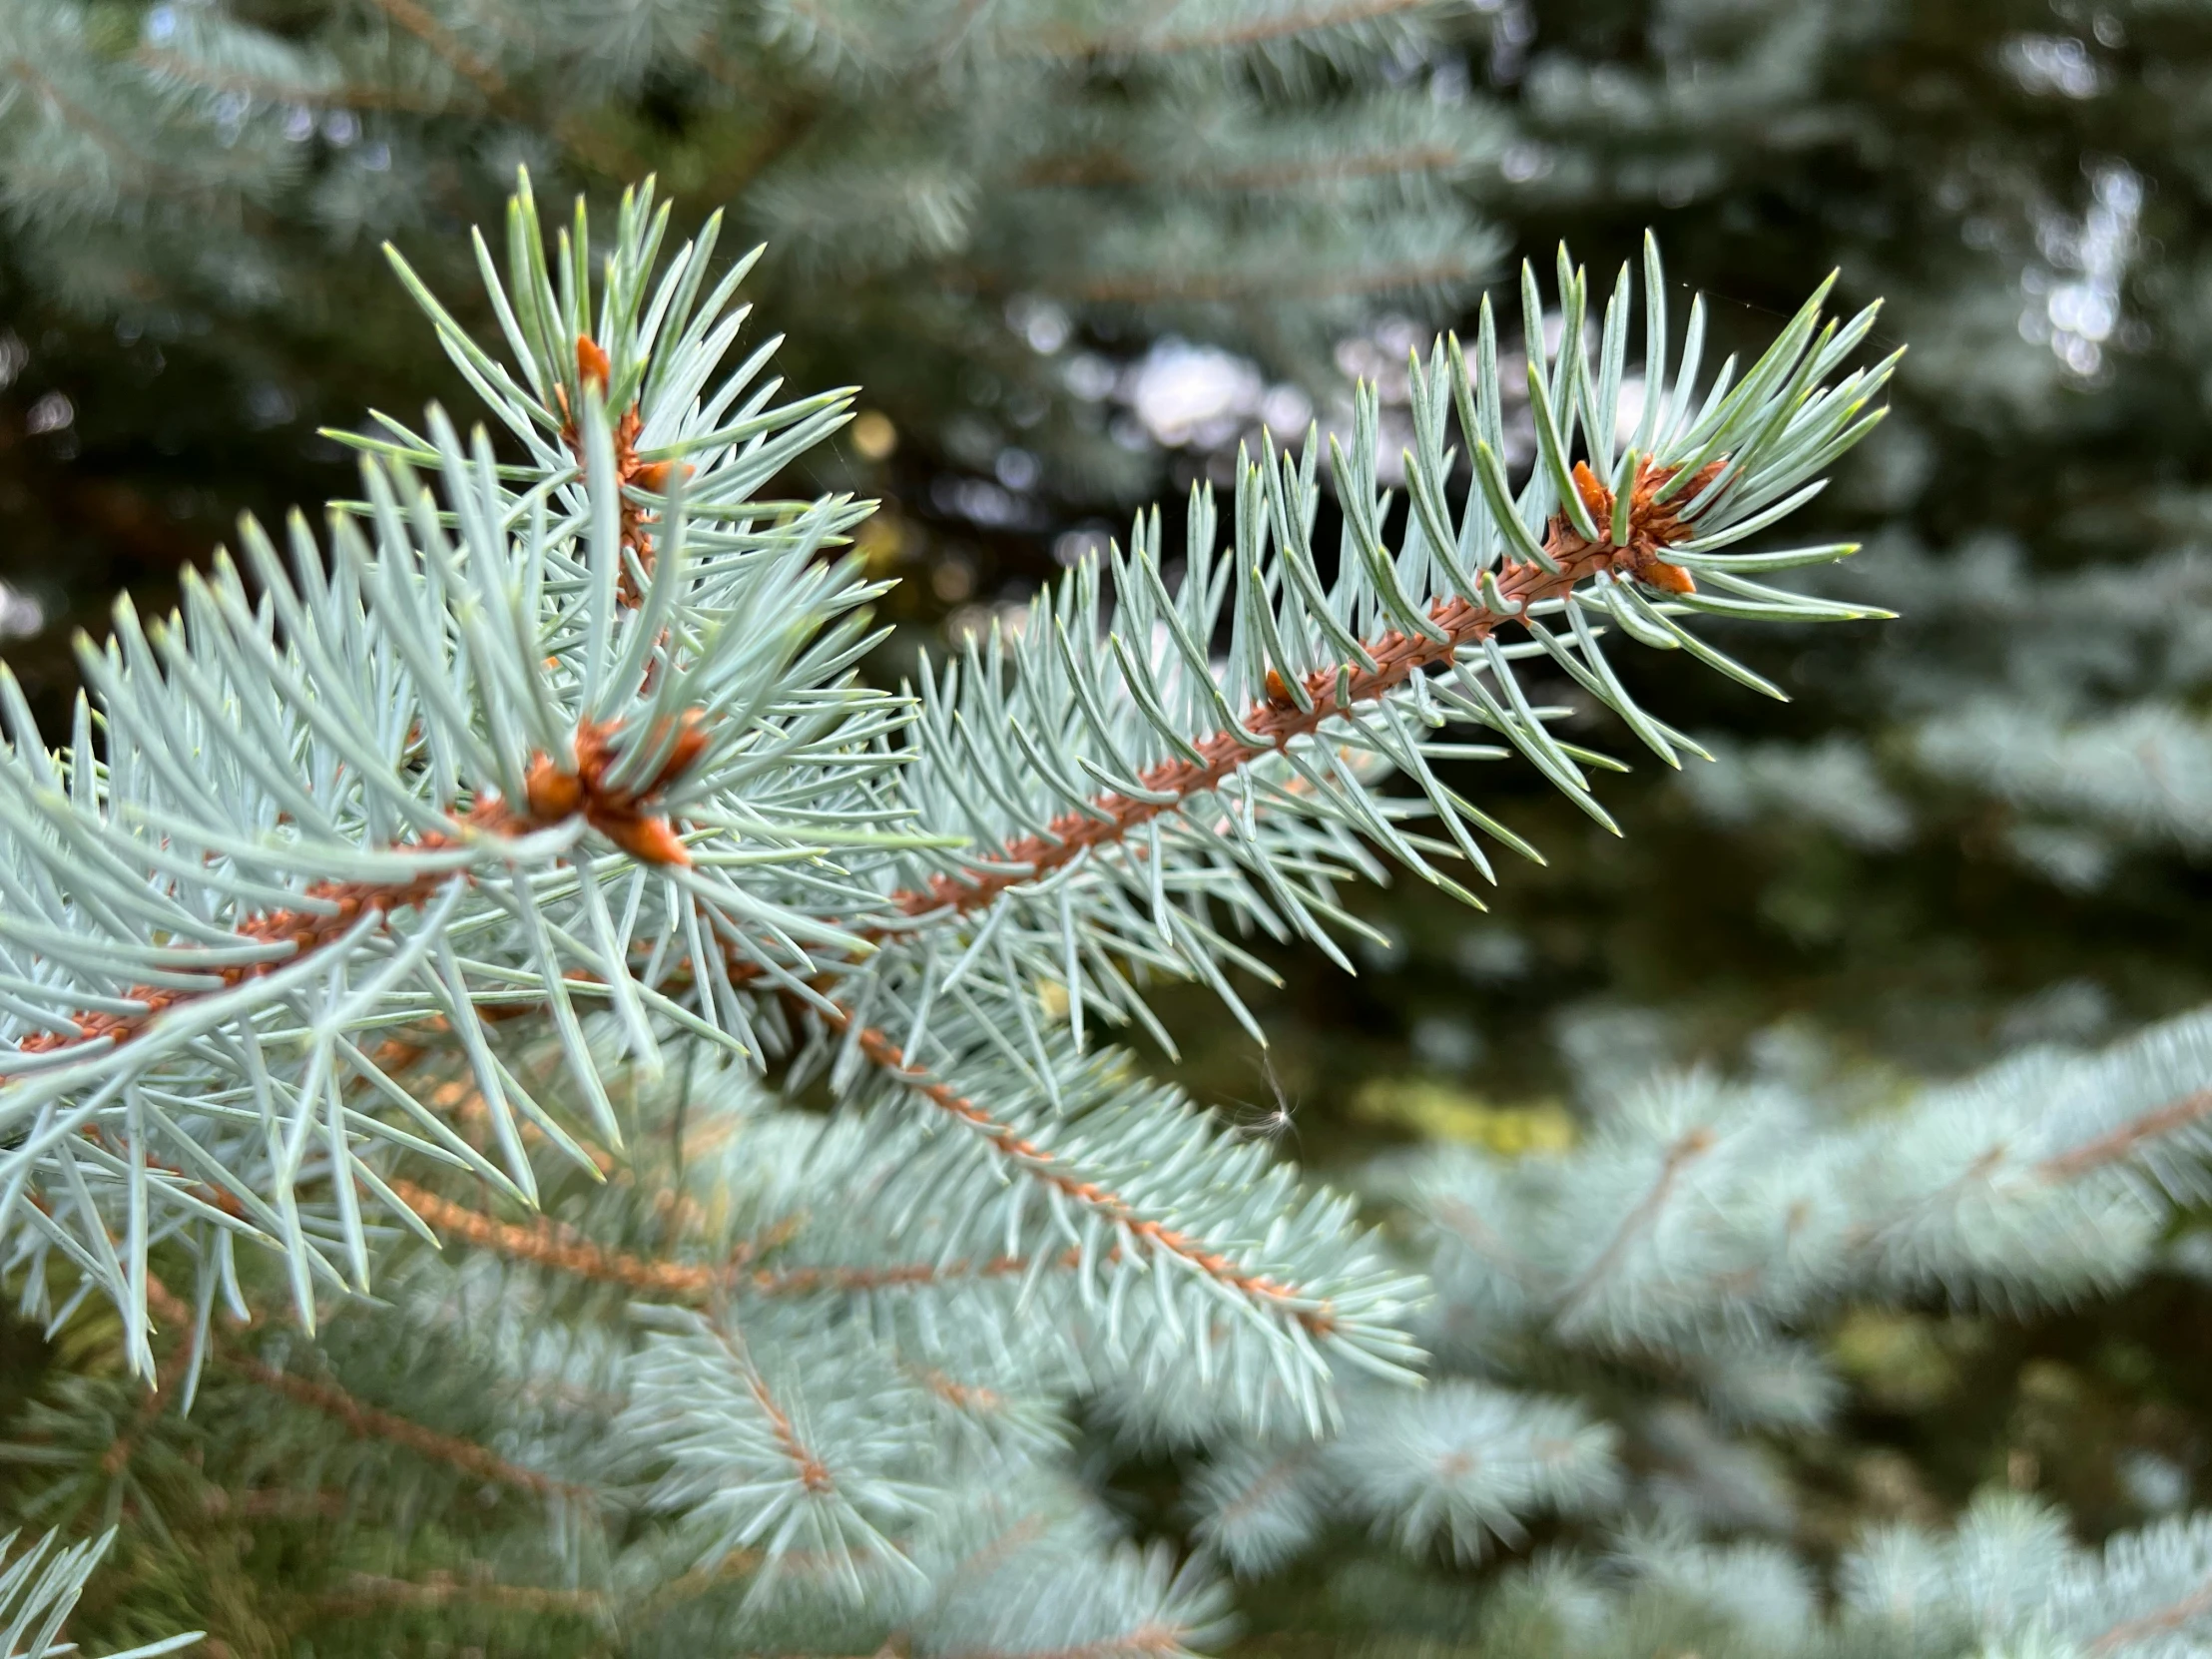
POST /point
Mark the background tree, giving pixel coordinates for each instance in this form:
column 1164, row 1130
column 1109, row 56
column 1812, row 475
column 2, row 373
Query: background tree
column 959, row 201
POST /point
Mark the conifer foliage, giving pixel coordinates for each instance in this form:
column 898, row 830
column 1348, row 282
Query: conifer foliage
column 1625, row 1329
column 425, row 962
column 1267, row 172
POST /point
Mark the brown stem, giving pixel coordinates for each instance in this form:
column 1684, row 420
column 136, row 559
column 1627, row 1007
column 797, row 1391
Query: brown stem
column 630, row 473
column 1397, row 657
column 961, row 1397
column 1316, row 1315
column 365, row 1422
column 553, row 792
column 117, row 1457
column 276, row 1503
column 81, row 119
column 419, row 23
column 545, row 1243
column 2172, row 1616
column 814, row 1472
column 368, row 1423
column 807, row 1281
column 1680, row 1155
column 2121, row 1143
column 306, row 930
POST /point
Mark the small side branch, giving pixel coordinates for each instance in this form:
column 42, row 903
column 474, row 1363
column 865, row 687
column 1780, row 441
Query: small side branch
column 1112, row 818
column 1045, row 1166
column 2121, row 1143
column 899, row 1276
column 368, row 1423
column 419, row 23
column 547, row 1244
column 117, row 1457
column 814, row 1472
column 1684, row 1152
column 2170, row 1617
column 555, row 791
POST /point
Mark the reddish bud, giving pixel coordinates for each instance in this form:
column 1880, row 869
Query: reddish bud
column 1595, row 495
column 652, row 476
column 591, row 365
column 650, row 841
column 552, row 794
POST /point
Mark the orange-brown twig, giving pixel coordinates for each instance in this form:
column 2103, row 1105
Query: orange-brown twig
column 2111, row 1148
column 593, row 369
column 553, row 792
column 814, row 1472
column 1653, row 527
column 548, row 1244
column 1316, row 1315
column 1690, row 1147
column 368, row 1423
column 2163, row 1622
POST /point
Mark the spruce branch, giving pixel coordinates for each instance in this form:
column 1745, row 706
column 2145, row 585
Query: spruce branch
column 2119, row 1145
column 371, row 1423
column 1691, row 1145
column 1384, row 664
column 1146, row 1234
column 547, row 1244
column 544, row 1243
column 40, row 1587
column 393, row 800
column 177, row 66
column 424, row 26
column 1133, row 781
column 2043, row 1177
column 2162, row 1621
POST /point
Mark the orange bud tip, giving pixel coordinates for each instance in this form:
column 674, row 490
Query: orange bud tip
column 553, row 794
column 591, row 363
column 650, row 841
column 1595, row 495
